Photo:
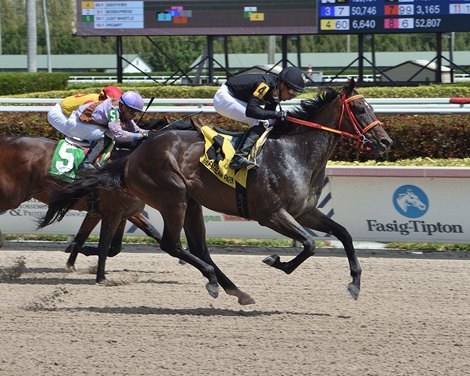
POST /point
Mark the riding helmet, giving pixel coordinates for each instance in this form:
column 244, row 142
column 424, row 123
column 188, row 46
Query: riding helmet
column 294, row 78
column 112, row 92
column 132, row 100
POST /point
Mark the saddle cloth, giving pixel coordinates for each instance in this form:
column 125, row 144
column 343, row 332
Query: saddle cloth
column 67, row 157
column 219, row 150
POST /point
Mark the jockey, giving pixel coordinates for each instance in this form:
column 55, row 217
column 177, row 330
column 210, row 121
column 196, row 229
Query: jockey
column 105, row 121
column 252, row 99
column 58, row 115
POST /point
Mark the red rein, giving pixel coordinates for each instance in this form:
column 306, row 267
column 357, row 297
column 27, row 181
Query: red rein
column 360, row 132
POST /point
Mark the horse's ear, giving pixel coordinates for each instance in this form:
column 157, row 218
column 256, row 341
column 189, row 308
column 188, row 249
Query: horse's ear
column 196, row 122
column 167, row 120
column 349, row 88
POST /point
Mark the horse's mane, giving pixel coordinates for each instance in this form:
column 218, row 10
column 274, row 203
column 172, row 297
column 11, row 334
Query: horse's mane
column 309, row 106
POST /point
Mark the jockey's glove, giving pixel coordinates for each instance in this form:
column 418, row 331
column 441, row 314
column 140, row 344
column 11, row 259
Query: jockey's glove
column 281, row 115
column 145, row 134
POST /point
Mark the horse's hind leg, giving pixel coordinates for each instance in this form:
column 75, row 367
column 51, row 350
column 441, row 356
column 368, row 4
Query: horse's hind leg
column 195, row 232
column 142, row 222
column 75, row 247
column 318, row 221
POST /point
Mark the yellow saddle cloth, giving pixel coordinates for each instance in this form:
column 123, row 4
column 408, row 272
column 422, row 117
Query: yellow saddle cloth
column 218, row 152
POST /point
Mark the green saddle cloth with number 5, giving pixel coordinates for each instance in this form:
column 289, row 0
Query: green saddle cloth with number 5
column 67, row 157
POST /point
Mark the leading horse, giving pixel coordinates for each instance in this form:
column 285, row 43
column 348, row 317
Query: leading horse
column 165, row 172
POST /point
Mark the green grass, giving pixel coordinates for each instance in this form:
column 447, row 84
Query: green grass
column 241, row 242
column 431, row 247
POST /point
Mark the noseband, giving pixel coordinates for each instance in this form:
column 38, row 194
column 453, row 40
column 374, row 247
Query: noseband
column 360, row 132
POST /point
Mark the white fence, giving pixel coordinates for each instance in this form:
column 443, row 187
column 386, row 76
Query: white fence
column 192, row 105
column 182, row 80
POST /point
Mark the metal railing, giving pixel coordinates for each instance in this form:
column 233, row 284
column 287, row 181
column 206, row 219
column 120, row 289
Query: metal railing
column 458, row 77
column 456, row 105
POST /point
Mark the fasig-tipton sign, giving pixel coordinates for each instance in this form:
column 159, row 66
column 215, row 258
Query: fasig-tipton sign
column 403, row 204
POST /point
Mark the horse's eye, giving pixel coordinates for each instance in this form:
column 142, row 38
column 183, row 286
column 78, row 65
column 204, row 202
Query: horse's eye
column 361, row 111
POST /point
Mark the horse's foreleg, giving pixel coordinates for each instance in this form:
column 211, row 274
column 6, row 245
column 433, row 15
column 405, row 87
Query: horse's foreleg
column 116, row 243
column 75, row 247
column 316, row 220
column 195, row 232
column 142, row 222
column 173, row 218
column 2, row 239
column 109, row 224
column 283, row 223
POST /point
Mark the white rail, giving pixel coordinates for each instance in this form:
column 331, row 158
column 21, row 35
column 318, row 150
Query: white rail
column 458, row 77
column 456, row 105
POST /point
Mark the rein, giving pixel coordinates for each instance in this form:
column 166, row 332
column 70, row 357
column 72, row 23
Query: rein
column 345, row 108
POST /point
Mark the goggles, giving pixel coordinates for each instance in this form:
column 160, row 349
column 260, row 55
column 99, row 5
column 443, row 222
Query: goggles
column 291, row 90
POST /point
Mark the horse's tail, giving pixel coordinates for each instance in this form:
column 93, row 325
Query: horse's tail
column 108, row 177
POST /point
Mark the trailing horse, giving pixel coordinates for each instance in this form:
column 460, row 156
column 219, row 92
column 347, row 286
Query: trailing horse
column 165, row 172
column 24, row 175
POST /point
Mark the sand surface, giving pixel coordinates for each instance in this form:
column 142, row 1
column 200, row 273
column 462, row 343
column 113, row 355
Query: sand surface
column 412, row 317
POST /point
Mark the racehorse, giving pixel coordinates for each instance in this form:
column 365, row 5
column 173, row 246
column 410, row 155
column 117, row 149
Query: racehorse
column 281, row 193
column 24, row 175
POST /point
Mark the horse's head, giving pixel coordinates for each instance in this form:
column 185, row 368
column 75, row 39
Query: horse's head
column 345, row 113
column 358, row 118
column 411, row 199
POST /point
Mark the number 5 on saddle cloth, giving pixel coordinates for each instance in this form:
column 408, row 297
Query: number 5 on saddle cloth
column 68, row 155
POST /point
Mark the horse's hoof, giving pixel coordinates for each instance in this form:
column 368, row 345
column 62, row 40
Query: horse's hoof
column 69, row 269
column 271, row 260
column 354, row 291
column 245, row 299
column 213, row 289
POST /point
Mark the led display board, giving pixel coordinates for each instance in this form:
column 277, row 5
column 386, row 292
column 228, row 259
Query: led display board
column 275, row 17
column 393, row 16
column 196, row 17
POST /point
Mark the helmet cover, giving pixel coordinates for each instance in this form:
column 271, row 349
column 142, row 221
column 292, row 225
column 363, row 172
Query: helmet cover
column 112, row 92
column 294, row 78
column 132, row 100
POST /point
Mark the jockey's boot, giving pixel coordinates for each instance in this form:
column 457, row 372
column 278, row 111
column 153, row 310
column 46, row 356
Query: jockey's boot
column 247, row 141
column 94, row 152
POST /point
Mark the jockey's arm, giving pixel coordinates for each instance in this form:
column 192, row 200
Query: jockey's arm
column 255, row 110
column 120, row 135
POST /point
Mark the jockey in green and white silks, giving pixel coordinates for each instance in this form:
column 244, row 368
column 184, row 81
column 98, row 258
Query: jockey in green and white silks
column 105, row 121
column 60, row 113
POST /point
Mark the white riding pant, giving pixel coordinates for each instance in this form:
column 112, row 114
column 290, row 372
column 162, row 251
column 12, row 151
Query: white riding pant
column 84, row 131
column 227, row 105
column 57, row 119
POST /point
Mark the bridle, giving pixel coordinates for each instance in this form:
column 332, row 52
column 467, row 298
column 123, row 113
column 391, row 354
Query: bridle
column 360, row 132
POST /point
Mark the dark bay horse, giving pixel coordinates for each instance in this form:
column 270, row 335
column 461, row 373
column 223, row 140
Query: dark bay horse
column 281, row 194
column 25, row 164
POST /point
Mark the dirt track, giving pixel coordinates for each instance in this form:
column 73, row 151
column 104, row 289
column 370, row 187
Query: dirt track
column 412, row 318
